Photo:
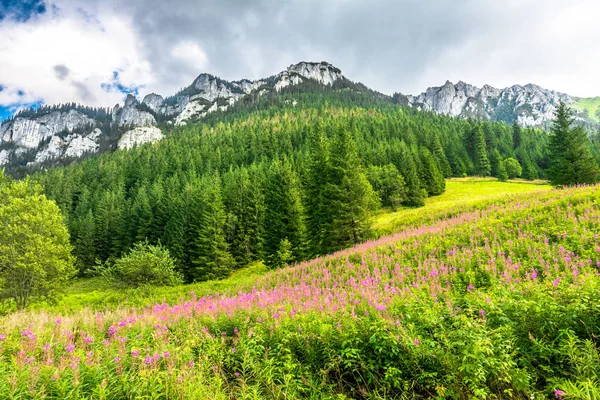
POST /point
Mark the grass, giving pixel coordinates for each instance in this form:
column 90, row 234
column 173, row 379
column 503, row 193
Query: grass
column 461, row 195
column 591, row 105
column 499, row 302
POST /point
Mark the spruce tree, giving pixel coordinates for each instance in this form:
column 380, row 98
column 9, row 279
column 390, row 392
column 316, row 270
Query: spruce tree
column 415, row 196
column 243, row 201
column 440, row 157
column 517, row 134
column 317, row 193
column 352, row 196
column 283, row 218
column 480, row 159
column 570, row 158
column 211, row 258
column 431, row 177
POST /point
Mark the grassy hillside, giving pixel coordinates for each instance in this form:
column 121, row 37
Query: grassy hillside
column 498, row 302
column 591, row 105
column 462, row 195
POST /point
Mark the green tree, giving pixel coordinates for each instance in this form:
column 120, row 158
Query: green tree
column 353, row 198
column 513, row 168
column 283, row 213
column 316, row 191
column 481, row 161
column 35, row 253
column 570, row 158
column 431, row 177
column 517, row 134
column 389, row 185
column 210, row 257
column 415, row 196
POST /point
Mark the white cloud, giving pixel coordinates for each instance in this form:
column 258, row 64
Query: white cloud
column 90, row 49
column 390, row 45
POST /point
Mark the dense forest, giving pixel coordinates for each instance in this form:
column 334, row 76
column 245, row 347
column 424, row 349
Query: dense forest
column 281, row 183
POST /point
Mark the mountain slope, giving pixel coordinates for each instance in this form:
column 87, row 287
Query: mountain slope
column 59, row 134
column 70, row 131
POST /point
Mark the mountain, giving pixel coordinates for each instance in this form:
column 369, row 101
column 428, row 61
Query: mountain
column 66, row 132
column 71, row 131
column 529, row 105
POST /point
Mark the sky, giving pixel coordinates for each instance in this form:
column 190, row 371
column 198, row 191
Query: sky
column 94, row 52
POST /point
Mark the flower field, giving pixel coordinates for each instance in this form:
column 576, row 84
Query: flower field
column 500, row 302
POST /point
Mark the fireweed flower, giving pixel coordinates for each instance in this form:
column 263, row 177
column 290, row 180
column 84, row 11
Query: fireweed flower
column 558, row 393
column 135, row 353
column 482, row 313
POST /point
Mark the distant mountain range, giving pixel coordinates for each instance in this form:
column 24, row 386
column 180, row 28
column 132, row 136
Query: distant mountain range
column 70, row 131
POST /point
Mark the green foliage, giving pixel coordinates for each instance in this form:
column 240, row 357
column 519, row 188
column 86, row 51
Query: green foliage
column 209, row 253
column 155, row 192
column 283, row 214
column 570, row 159
column 143, row 265
column 35, row 253
column 480, row 158
column 389, row 185
column 513, row 168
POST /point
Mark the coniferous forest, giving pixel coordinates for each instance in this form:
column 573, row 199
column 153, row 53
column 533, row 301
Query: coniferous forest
column 298, row 181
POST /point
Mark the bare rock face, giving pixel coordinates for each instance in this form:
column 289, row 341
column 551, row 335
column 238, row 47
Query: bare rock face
column 139, row 136
column 5, row 156
column 131, row 115
column 529, row 105
column 29, row 133
column 70, row 146
column 324, row 73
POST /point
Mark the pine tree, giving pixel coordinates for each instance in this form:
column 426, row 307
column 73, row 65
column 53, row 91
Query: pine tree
column 481, row 161
column 517, row 134
column 352, row 196
column 318, row 219
column 570, row 158
column 431, row 177
column 440, row 157
column 243, row 201
column 283, row 213
column 415, row 195
column 211, row 258
column 530, row 171
column 83, row 243
column 109, row 225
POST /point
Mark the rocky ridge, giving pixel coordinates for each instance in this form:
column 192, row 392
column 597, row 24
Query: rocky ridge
column 56, row 135
column 529, row 105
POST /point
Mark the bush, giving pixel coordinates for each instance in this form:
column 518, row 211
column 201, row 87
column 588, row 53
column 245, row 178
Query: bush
column 145, row 264
column 513, row 168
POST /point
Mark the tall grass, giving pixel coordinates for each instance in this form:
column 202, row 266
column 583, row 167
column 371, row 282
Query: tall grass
column 500, row 302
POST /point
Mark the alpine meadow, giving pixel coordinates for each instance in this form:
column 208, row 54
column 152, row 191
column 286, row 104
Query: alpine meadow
column 300, row 235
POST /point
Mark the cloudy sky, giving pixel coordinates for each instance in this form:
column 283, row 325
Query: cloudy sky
column 95, row 51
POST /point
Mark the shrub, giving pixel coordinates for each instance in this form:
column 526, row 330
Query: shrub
column 513, row 168
column 145, row 264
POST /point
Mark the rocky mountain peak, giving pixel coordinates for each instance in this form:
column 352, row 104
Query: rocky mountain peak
column 529, row 105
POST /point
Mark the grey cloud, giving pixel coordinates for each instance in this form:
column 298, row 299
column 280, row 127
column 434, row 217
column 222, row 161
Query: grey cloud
column 61, row 71
column 83, row 91
column 390, row 45
column 379, row 42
